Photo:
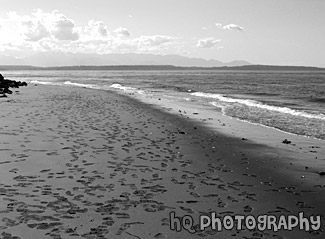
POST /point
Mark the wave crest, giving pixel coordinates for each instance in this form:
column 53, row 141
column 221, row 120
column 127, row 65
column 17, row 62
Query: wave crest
column 253, row 103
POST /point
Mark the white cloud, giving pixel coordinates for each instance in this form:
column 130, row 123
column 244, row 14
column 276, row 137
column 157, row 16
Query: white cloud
column 153, row 43
column 96, row 28
column 207, row 42
column 110, row 44
column 219, row 25
column 40, row 31
column 121, row 31
column 155, row 40
column 65, row 29
column 42, row 24
column 47, row 45
column 29, row 28
column 34, row 30
column 233, row 27
column 229, row 27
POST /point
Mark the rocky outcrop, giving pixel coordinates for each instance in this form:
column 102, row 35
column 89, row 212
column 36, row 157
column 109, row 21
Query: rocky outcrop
column 5, row 84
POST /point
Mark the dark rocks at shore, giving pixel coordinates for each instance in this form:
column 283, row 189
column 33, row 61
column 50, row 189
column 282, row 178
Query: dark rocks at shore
column 5, row 84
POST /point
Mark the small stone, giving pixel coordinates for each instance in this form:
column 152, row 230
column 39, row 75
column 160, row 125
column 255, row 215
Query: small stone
column 285, row 141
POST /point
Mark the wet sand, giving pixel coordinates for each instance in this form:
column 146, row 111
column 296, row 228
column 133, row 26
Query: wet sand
column 82, row 163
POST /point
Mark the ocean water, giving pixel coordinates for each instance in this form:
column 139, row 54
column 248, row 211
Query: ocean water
column 293, row 102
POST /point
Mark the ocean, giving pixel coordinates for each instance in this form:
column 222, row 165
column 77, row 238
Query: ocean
column 291, row 101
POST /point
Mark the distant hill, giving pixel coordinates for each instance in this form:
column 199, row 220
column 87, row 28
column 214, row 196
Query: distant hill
column 163, row 67
column 72, row 59
column 272, row 68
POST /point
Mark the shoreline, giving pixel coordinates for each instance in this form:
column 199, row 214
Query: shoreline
column 307, row 151
column 100, row 143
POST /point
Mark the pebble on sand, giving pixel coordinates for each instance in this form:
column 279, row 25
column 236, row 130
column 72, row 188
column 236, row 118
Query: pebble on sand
column 285, row 141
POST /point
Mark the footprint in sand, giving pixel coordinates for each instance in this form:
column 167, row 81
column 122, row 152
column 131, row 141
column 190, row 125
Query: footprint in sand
column 160, row 235
column 248, row 208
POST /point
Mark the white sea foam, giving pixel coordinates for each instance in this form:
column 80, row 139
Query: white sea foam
column 91, row 86
column 81, row 85
column 45, row 82
column 125, row 88
column 253, row 103
column 68, row 83
column 216, row 104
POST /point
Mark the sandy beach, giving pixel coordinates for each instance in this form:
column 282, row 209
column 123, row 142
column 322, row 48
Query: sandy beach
column 83, row 163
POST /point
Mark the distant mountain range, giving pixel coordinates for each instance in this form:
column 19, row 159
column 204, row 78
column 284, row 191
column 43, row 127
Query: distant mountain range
column 131, row 61
column 161, row 68
column 73, row 59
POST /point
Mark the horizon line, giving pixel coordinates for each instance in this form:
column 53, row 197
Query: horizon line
column 162, row 67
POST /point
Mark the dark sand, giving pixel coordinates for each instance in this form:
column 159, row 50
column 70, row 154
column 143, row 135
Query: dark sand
column 81, row 163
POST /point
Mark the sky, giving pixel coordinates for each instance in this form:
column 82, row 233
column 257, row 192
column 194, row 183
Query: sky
column 277, row 32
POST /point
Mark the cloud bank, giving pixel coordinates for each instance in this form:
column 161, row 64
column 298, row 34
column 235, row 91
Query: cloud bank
column 41, row 25
column 53, row 31
column 42, row 31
